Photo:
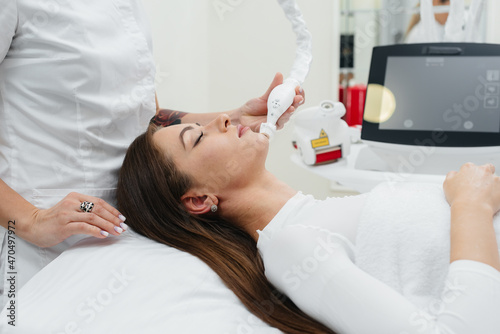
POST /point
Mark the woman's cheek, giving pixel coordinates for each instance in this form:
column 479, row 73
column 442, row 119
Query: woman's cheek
column 233, row 167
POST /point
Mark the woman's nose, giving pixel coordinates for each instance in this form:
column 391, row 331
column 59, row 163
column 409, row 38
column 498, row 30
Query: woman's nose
column 222, row 122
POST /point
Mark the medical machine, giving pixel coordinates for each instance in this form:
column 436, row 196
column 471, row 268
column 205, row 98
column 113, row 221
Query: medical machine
column 431, row 107
column 320, row 135
column 281, row 97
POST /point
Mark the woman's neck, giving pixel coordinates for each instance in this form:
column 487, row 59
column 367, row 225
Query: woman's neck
column 252, row 207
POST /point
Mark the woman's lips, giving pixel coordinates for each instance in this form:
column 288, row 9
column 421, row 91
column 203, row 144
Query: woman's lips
column 242, row 129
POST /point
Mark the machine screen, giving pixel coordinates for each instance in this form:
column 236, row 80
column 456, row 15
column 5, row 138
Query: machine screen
column 457, row 94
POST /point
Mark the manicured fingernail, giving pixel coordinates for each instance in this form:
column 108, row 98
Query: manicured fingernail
column 122, row 218
column 301, row 90
column 124, row 226
column 118, row 229
column 301, row 101
column 104, row 233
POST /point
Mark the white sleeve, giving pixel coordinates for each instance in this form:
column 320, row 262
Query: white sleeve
column 313, row 268
column 8, row 25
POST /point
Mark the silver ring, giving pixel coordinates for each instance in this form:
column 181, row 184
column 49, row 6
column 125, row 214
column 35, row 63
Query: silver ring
column 86, row 206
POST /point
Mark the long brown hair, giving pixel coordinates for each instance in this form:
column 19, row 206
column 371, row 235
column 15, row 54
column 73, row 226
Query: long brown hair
column 149, row 191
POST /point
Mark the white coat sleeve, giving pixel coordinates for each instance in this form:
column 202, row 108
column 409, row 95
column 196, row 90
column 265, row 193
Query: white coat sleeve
column 8, row 25
column 313, row 268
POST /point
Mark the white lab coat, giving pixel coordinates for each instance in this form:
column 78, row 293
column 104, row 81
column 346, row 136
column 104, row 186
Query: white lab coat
column 461, row 25
column 419, row 35
column 76, row 87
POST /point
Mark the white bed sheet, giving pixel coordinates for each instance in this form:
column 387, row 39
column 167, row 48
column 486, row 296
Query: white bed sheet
column 129, row 284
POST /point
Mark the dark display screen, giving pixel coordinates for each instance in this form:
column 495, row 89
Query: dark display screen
column 447, row 93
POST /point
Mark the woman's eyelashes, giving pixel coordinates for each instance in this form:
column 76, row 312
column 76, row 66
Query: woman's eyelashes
column 198, row 140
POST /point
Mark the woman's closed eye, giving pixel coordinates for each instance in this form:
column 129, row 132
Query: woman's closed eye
column 198, row 140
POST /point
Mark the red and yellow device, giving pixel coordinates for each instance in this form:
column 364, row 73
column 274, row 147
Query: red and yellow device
column 320, row 135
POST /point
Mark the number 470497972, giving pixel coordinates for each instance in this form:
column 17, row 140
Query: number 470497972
column 11, row 244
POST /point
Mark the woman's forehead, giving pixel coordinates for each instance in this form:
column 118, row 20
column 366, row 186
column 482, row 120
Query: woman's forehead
column 168, row 131
column 169, row 138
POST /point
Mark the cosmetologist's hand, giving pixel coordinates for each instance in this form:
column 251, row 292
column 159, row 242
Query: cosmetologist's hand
column 254, row 112
column 51, row 226
column 473, row 185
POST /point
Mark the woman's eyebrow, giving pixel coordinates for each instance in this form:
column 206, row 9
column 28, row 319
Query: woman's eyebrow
column 181, row 135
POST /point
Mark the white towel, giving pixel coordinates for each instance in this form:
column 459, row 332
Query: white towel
column 403, row 239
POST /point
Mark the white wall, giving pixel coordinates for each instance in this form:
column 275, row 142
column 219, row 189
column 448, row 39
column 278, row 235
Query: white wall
column 180, row 42
column 215, row 55
column 493, row 23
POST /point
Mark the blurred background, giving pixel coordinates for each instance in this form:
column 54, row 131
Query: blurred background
column 214, row 55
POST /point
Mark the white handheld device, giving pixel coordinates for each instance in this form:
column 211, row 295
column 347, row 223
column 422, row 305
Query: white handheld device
column 281, row 97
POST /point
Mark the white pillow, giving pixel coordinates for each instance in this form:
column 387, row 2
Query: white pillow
column 129, row 284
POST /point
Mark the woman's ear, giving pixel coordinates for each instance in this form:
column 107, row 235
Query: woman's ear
column 196, row 204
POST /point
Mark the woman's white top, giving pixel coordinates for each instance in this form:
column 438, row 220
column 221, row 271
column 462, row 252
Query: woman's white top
column 76, row 87
column 419, row 33
column 308, row 251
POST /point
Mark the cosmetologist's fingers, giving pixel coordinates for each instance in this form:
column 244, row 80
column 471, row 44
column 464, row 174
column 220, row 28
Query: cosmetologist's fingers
column 84, row 228
column 277, row 80
column 284, row 118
